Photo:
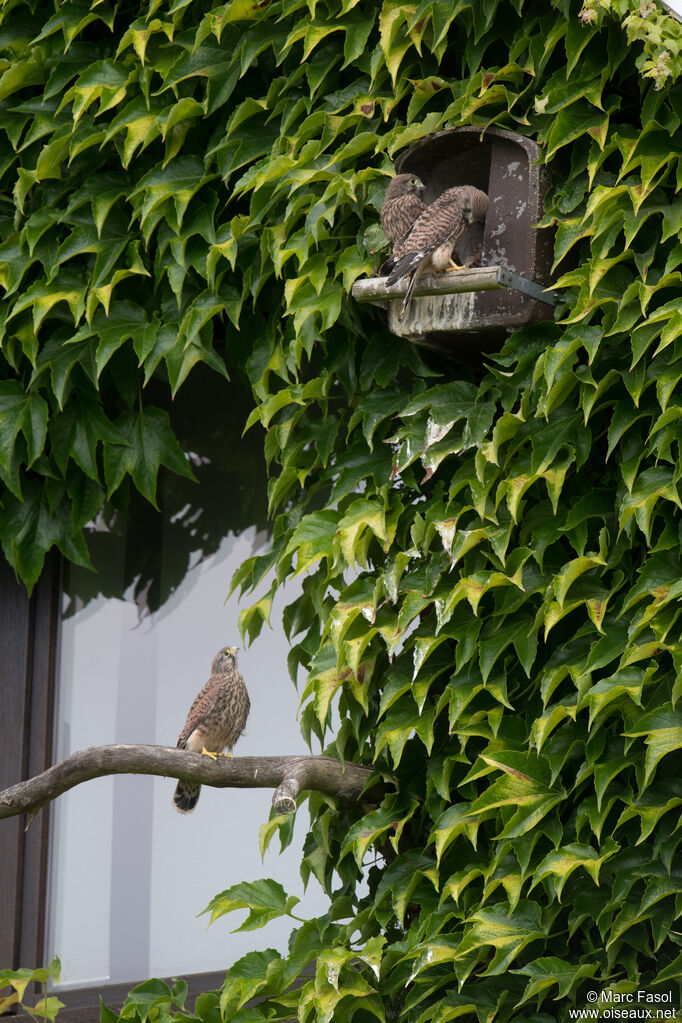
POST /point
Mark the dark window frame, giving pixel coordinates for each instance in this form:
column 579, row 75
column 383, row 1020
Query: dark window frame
column 29, row 629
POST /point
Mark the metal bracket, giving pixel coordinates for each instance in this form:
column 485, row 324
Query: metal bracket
column 531, row 288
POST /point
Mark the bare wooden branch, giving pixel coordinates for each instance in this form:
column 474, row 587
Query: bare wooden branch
column 284, row 798
column 288, row 775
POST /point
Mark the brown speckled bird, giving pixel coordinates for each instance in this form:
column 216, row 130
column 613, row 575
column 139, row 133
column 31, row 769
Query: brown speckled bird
column 215, row 721
column 401, row 208
column 435, row 234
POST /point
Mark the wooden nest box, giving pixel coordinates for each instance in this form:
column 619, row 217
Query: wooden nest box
column 505, row 288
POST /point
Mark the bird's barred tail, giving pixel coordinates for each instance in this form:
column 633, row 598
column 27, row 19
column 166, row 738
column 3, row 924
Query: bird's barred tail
column 408, row 295
column 403, row 266
column 186, row 796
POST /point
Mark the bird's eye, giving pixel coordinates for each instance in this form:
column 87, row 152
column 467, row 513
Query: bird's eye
column 413, row 181
column 227, row 651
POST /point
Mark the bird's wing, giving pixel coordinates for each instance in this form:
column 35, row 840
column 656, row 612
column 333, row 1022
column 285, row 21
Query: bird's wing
column 441, row 221
column 201, row 708
column 436, row 224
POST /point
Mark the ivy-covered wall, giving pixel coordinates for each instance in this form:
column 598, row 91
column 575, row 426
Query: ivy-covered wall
column 491, row 554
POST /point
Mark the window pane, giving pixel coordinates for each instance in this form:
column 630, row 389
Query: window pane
column 129, row 875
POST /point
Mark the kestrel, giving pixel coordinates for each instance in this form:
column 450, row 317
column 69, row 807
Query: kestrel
column 215, row 721
column 435, row 234
column 401, row 208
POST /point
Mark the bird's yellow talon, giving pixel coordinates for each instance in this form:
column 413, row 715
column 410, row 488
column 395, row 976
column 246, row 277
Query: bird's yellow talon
column 207, row 753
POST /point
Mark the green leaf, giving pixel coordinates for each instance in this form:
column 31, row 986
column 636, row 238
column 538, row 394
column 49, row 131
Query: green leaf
column 313, row 538
column 559, row 865
column 662, row 731
column 46, row 1008
column 246, row 978
column 401, row 879
column 149, row 444
column 25, row 413
column 651, row 486
column 146, row 999
column 30, row 527
column 21, row 978
column 265, row 899
column 547, row 971
column 77, row 433
column 374, row 826
column 103, row 81
column 529, row 802
column 455, row 821
column 507, row 932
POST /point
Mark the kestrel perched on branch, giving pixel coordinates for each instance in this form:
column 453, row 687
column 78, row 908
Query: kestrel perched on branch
column 215, row 721
column 435, row 234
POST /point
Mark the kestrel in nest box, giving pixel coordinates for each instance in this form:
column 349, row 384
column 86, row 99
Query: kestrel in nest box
column 434, row 236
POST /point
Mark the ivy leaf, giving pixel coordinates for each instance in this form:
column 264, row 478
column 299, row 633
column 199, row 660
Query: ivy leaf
column 662, row 733
column 547, row 971
column 150, row 443
column 401, row 879
column 21, row 412
column 529, row 799
column 246, row 978
column 651, row 486
column 455, row 821
column 265, row 899
column 104, row 80
column 374, row 826
column 507, row 932
column 564, row 861
column 78, row 431
column 30, row 527
column 313, row 538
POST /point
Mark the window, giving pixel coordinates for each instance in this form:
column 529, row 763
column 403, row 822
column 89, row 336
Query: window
column 111, row 879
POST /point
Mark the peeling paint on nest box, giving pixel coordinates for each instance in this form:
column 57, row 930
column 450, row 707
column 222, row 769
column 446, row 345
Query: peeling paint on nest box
column 504, row 165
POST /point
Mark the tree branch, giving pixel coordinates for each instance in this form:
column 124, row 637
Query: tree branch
column 287, row 775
